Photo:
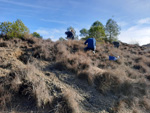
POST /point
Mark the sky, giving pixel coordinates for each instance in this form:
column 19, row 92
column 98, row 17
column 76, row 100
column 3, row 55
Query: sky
column 51, row 18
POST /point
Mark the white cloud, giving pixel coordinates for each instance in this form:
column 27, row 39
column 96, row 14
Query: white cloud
column 144, row 21
column 136, row 34
column 42, row 32
column 54, row 21
column 54, row 34
column 60, row 22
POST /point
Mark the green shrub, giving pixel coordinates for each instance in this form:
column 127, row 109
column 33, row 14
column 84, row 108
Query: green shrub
column 16, row 29
column 35, row 34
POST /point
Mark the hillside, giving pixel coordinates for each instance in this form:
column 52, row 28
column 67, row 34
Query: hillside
column 147, row 45
column 59, row 77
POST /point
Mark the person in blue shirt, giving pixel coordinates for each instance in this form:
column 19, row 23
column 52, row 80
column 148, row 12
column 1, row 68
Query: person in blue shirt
column 91, row 44
column 114, row 58
column 70, row 34
column 116, row 44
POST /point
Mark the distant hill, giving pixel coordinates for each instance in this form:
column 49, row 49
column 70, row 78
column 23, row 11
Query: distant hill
column 147, row 45
column 60, row 77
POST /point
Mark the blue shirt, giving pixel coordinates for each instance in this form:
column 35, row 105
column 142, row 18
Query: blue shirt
column 113, row 58
column 69, row 34
column 91, row 43
column 116, row 44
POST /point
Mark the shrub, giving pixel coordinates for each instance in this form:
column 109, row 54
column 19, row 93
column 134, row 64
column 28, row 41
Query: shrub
column 107, row 82
column 4, row 44
column 35, row 34
column 21, row 87
column 16, row 29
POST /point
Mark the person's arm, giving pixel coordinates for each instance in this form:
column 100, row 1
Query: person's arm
column 86, row 42
column 66, row 32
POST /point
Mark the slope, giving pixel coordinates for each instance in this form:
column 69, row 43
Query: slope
column 59, row 77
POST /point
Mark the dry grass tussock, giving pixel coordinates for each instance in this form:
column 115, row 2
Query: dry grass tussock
column 39, row 86
column 70, row 104
column 107, row 82
column 73, row 59
column 24, row 90
column 124, row 77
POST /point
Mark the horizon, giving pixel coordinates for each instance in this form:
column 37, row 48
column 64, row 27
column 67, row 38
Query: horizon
column 52, row 18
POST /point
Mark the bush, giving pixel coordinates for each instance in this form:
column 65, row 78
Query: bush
column 35, row 34
column 107, row 82
column 16, row 29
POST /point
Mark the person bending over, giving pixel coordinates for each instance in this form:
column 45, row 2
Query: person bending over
column 70, row 34
column 91, row 44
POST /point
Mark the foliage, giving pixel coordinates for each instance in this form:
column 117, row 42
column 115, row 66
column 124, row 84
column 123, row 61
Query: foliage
column 97, row 23
column 18, row 29
column 85, row 38
column 5, row 27
column 61, row 39
column 15, row 29
column 112, row 30
column 71, row 28
column 35, row 34
column 96, row 31
column 84, row 32
column 49, row 40
column 101, row 33
column 76, row 37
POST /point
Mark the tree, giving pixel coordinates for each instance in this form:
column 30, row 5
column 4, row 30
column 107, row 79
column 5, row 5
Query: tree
column 71, row 28
column 112, row 29
column 5, row 27
column 97, row 23
column 97, row 32
column 61, row 39
column 19, row 29
column 84, row 32
column 49, row 39
column 15, row 29
column 76, row 37
column 35, row 34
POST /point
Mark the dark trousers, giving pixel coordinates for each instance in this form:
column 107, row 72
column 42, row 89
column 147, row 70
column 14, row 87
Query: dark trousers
column 87, row 48
column 116, row 44
column 71, row 38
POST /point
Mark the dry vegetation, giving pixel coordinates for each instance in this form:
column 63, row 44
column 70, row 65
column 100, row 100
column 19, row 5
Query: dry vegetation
column 59, row 77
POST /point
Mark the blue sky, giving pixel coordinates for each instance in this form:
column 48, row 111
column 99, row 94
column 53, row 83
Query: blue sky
column 51, row 18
